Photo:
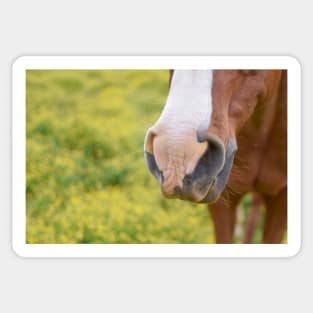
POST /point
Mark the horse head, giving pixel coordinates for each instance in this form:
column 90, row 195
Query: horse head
column 191, row 147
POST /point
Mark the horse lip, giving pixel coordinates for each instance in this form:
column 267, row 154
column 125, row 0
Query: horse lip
column 217, row 182
column 210, row 188
column 212, row 193
column 211, row 185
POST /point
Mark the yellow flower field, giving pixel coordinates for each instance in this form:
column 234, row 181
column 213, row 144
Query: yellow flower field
column 86, row 177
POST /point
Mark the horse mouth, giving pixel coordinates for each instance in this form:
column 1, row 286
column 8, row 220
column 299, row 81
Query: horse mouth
column 210, row 194
column 183, row 194
column 204, row 184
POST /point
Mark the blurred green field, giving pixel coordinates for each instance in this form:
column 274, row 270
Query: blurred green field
column 86, row 177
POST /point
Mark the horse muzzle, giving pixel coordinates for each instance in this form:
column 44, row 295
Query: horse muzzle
column 209, row 177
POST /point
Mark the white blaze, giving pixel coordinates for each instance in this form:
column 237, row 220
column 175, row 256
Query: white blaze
column 188, row 108
column 189, row 103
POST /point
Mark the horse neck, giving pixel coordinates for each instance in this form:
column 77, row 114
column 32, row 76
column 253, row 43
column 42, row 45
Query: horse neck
column 267, row 113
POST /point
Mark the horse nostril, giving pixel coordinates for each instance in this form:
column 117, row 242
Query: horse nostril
column 153, row 167
column 161, row 178
column 212, row 161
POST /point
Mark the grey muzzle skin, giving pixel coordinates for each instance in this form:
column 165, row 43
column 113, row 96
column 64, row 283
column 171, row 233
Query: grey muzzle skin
column 210, row 175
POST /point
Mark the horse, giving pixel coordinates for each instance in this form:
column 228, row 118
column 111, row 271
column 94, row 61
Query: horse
column 221, row 135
